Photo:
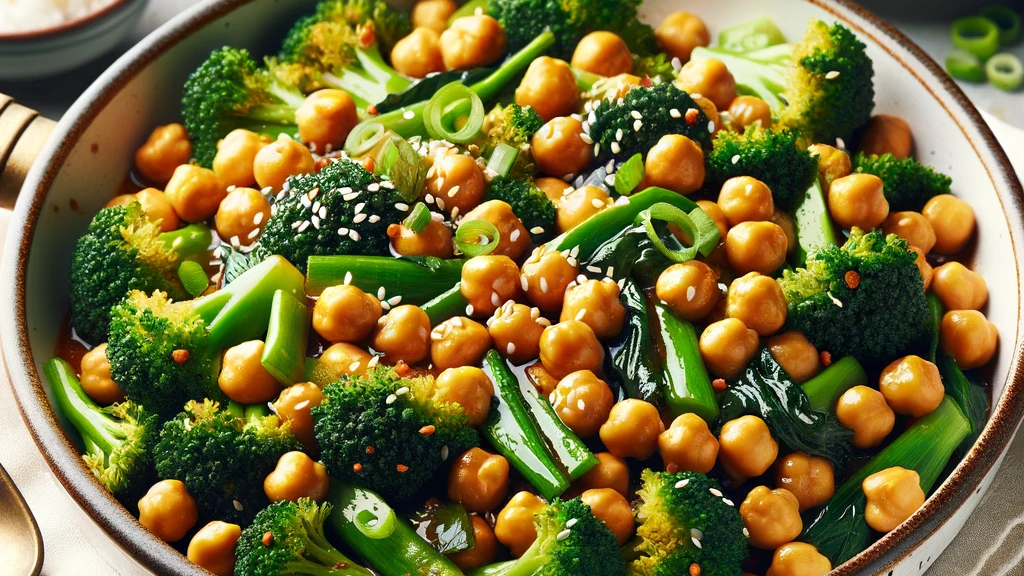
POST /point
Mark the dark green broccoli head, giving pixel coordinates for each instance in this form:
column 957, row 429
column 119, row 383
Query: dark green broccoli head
column 772, row 156
column 513, row 125
column 864, row 300
column 907, row 184
column 685, row 520
column 528, row 202
column 372, row 434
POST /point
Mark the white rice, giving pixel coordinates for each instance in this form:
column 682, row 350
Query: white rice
column 28, row 15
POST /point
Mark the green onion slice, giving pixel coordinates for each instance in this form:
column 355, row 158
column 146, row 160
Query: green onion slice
column 697, row 225
column 1005, row 71
column 749, row 36
column 629, row 175
column 502, row 159
column 477, row 238
column 400, row 162
column 965, row 66
column 364, row 138
column 977, row 35
column 375, row 527
column 1006, row 20
column 418, row 218
column 193, row 278
column 447, row 108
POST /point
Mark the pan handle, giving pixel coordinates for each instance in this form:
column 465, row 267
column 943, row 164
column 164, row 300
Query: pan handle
column 22, row 135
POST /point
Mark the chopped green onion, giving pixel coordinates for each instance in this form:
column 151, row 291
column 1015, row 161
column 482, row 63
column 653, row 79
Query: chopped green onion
column 364, row 138
column 1006, row 20
column 477, row 238
column 696, row 225
column 1005, row 71
column 749, row 36
column 629, row 175
column 193, row 278
column 284, row 354
column 373, row 526
column 418, row 218
column 965, row 66
column 502, row 159
column 400, row 162
column 447, row 107
column 977, row 35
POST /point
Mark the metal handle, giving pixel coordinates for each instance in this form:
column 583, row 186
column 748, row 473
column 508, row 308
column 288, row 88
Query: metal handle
column 22, row 135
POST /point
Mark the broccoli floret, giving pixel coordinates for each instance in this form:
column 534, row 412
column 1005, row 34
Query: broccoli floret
column 222, row 456
column 371, row 431
column 676, row 512
column 528, row 202
column 864, row 300
column 635, row 123
column 513, row 125
column 771, row 156
column 352, row 215
column 658, row 68
column 230, row 90
column 907, row 184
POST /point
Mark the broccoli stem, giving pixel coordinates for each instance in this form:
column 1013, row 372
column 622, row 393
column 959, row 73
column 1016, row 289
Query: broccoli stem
column 284, row 354
column 825, row 389
column 416, row 280
column 469, row 9
column 814, row 227
column 685, row 383
column 190, row 241
column 99, row 431
column 446, row 305
column 585, row 80
column 372, row 83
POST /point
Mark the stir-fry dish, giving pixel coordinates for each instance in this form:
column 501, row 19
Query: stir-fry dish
column 527, row 287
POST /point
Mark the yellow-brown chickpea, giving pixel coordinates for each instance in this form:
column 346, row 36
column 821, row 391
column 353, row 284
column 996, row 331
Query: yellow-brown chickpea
column 96, row 380
column 236, row 154
column 893, row 495
column 798, row 559
column 515, row 331
column 690, row 289
column 402, row 334
column 296, row 476
column 473, row 42
column 756, row 247
column 688, row 445
column 158, row 208
column 632, row 429
column 968, row 337
column 478, row 480
column 469, row 387
column 886, row 134
column 749, row 110
column 727, row 346
column 582, row 402
column 166, row 148
column 757, row 301
column 243, row 377
column 596, row 303
column 559, row 149
column 772, row 517
column 280, row 160
column 709, row 78
column 121, row 200
column 514, row 525
column 344, row 359
column 458, row 342
column 785, row 221
column 809, row 478
column 924, row 267
column 549, row 87
column 857, row 201
column 195, row 193
column 325, row 119
column 541, row 379
column 952, row 219
column 833, row 163
column 610, row 472
column 613, row 509
column 959, row 287
column 579, row 205
column 485, row 547
column 419, row 53
column 710, row 110
column 435, row 239
column 345, row 314
column 554, row 188
column 213, row 548
column 746, row 199
column 456, row 182
column 795, row 353
column 433, row 14
column 865, row 411
column 488, row 282
column 569, row 347
column 912, row 227
column 242, row 214
column 911, row 386
column 746, row 448
column 680, row 32
column 513, row 239
column 675, row 163
column 168, row 510
column 603, row 53
column 293, row 407
column 548, row 274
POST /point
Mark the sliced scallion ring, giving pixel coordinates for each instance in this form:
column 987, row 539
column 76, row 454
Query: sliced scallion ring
column 977, row 35
column 502, row 159
column 629, row 175
column 696, row 225
column 477, row 238
column 193, row 278
column 1007, row 20
column 965, row 66
column 446, row 110
column 364, row 138
column 373, row 526
column 1005, row 71
column 418, row 219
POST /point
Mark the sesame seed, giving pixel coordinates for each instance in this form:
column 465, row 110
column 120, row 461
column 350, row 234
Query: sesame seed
column 354, row 366
column 302, row 228
column 267, row 190
column 581, row 314
column 711, row 126
column 610, row 272
column 638, row 125
column 682, row 483
column 348, row 278
column 381, row 293
column 385, row 307
column 323, row 212
column 696, row 542
column 514, row 235
column 455, row 212
column 511, row 348
column 695, row 533
column 636, row 115
column 409, row 115
column 581, row 405
column 342, row 231
column 746, row 533
column 832, row 75
column 373, row 187
column 495, row 299
column 301, row 405
column 840, row 143
column 373, row 362
column 359, row 218
column 581, row 279
column 440, row 204
column 402, row 391
column 609, row 180
column 574, row 252
column 543, row 285
column 571, row 523
column 316, row 206
column 374, row 219
column 563, row 535
column 594, row 269
column 350, row 196
column 728, row 502
column 735, row 159
column 395, row 300
column 429, row 198
column 691, row 291
column 315, row 221
column 254, row 233
column 296, row 224
column 586, row 138
column 444, row 452
column 597, row 203
column 455, row 190
column 536, row 230
column 469, row 310
column 597, row 149
column 616, row 148
column 390, row 399
column 715, row 492
column 257, row 219
column 402, row 207
column 436, row 336
column 359, row 207
column 618, row 135
column 354, row 235
column 238, row 505
column 571, row 261
column 524, row 282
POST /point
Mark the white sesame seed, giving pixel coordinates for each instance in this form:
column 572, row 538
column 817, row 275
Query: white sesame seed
column 402, row 391
column 840, row 143
column 616, row 148
column 402, row 207
column 711, row 126
column 296, row 224
column 390, row 399
column 544, row 322
column 637, row 125
column 536, row 230
column 597, row 149
column 444, row 452
column 728, row 502
column 696, row 542
column 395, row 300
column 385, row 307
column 543, row 285
column 354, row 235
column 359, row 218
column 581, row 314
column 571, row 261
column 350, row 196
column 354, row 366
column 440, row 204
column 469, row 310
column 586, row 138
column 374, row 219
column 359, row 207
column 301, row 405
column 511, row 348
column 618, row 135
column 315, row 221
column 323, row 212
column 238, row 505
column 457, row 322
column 715, row 492
column 832, row 75
column 574, row 252
column 736, row 159
column 348, row 278
column 253, row 233
column 563, row 535
column 581, row 405
column 381, row 293
column 746, row 533
column 682, row 483
column 571, row 523
column 302, row 228
column 609, row 180
column 373, row 362
column 409, row 115
column 495, row 299
column 597, row 203
column 523, row 282
column 373, row 187
column 342, row 231
column 691, row 291
column 455, row 190
column 610, row 272
column 594, row 269
column 316, row 206
column 257, row 219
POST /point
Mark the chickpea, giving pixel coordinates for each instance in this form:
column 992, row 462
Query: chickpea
column 548, row 274
column 194, row 192
column 96, row 379
column 758, row 301
column 513, row 237
column 344, row 359
column 912, row 386
column 749, row 110
column 296, row 476
column 690, row 289
column 795, row 353
column 610, row 472
column 912, row 227
column 675, row 163
column 325, row 119
column 681, row 32
column 578, row 206
column 952, row 219
column 756, row 247
column 458, row 342
column 242, row 214
column 478, row 480
column 553, row 188
column 514, row 526
column 833, row 163
column 709, row 78
column 968, row 337
column 457, row 183
column 345, row 314
column 809, row 478
column 798, row 559
column 158, row 208
column 543, row 382
column 785, row 221
column 402, row 334
column 236, row 154
column 293, row 407
column 550, row 88
column 515, row 331
column 166, row 148
column 713, row 210
column 121, row 200
column 603, row 53
column 727, row 346
column 435, row 239
column 746, row 447
column 864, row 411
column 708, row 108
column 433, row 14
column 419, row 53
column 472, row 42
column 484, row 549
column 280, row 160
column 613, row 509
column 959, row 287
column 569, row 347
column 469, row 387
column 489, row 281
column 596, row 303
column 582, row 402
column 772, row 517
column 243, row 377
column 924, row 267
column 886, row 134
column 893, row 494
column 746, row 199
column 168, row 510
column 213, row 547
column 632, row 429
column 559, row 149
column 688, row 445
column 857, row 201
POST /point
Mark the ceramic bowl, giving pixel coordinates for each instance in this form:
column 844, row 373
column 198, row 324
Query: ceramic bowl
column 81, row 166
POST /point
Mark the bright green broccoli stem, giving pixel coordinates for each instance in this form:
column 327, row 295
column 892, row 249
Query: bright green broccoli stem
column 825, row 389
column 253, row 413
column 469, row 9
column 371, row 81
column 284, row 354
column 416, row 280
column 686, row 386
column 814, row 227
column 586, row 80
column 840, row 531
column 189, row 242
column 370, row 527
column 446, row 305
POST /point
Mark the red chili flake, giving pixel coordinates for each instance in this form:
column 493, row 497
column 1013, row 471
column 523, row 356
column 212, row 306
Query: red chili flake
column 428, row 430
column 852, row 279
column 340, row 566
column 371, row 110
column 402, row 369
column 647, row 82
column 268, row 538
column 691, row 116
column 718, row 384
column 180, row 356
column 367, row 163
column 402, row 468
column 366, row 35
column 370, row 450
column 694, row 569
column 394, row 230
column 357, row 467
column 826, row 358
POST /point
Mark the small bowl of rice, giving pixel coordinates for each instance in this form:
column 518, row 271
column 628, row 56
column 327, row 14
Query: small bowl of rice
column 40, row 38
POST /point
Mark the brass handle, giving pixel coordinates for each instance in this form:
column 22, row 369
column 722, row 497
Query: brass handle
column 22, row 135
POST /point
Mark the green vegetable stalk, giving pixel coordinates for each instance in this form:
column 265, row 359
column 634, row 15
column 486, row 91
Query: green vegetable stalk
column 284, row 354
column 633, row 353
column 416, row 279
column 825, row 389
column 685, row 382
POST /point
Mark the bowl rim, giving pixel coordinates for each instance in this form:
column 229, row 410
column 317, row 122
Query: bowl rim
column 65, row 28
column 124, row 529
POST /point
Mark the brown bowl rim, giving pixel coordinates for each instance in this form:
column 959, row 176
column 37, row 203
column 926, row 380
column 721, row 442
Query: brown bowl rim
column 65, row 28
